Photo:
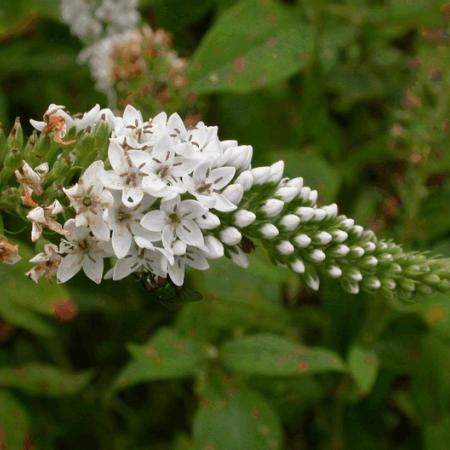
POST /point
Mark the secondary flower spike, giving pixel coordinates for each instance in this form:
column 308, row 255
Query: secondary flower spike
column 152, row 196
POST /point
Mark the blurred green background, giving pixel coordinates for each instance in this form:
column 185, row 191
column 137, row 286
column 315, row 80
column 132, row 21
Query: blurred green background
column 354, row 96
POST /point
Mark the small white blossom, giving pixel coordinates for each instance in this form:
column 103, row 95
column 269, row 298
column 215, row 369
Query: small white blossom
column 206, row 185
column 90, row 199
column 176, row 220
column 82, row 251
column 192, row 258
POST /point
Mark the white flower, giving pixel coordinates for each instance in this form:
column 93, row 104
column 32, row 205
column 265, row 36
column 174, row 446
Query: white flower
column 164, row 168
column 206, row 183
column 193, row 258
column 90, row 199
column 127, row 174
column 176, row 220
column 83, row 251
column 154, row 261
column 133, row 128
column 44, row 216
column 125, row 223
column 46, row 263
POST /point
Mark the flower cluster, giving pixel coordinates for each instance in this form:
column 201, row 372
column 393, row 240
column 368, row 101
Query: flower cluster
column 139, row 67
column 153, row 209
column 156, row 197
column 91, row 19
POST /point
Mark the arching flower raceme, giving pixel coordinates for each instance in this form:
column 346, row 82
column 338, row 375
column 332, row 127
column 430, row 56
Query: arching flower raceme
column 176, row 197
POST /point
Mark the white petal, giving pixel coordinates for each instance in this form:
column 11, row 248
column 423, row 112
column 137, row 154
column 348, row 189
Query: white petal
column 132, row 196
column 139, row 158
column 93, row 268
column 69, row 267
column 39, row 125
column 116, row 156
column 191, row 209
column 196, row 260
column 222, row 176
column 111, row 180
column 131, row 115
column 189, row 232
column 182, row 166
column 154, row 220
column 124, row 267
column 121, row 241
column 223, row 204
column 90, row 176
column 176, row 271
column 98, row 227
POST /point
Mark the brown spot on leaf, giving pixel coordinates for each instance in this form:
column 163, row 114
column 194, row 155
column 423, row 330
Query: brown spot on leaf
column 256, row 412
column 437, row 313
column 239, row 64
column 303, row 365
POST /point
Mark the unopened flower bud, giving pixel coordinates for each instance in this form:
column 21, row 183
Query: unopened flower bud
column 276, row 172
column 243, row 218
column 230, row 236
column 323, row 238
column 285, row 248
column 286, row 193
column 290, row 222
column 234, row 193
column 331, row 210
column 313, row 195
column 260, row 174
column 302, row 240
column 317, row 255
column 295, row 182
column 239, row 257
column 245, row 179
column 269, row 231
column 339, row 235
column 305, row 213
column 298, row 266
column 272, row 207
column 213, row 247
column 334, row 271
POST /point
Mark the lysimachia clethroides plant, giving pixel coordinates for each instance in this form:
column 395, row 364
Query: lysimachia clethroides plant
column 152, row 197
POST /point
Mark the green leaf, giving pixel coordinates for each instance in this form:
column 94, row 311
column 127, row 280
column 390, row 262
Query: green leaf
column 43, row 380
column 23, row 301
column 437, row 435
column 253, row 44
column 271, row 355
column 13, row 423
column 165, row 356
column 237, row 419
column 363, row 364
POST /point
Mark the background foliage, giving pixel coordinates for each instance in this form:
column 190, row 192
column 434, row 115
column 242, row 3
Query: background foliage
column 354, row 95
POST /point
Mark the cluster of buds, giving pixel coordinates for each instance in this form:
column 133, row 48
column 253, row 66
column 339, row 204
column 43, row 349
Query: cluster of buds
column 140, row 67
column 151, row 197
